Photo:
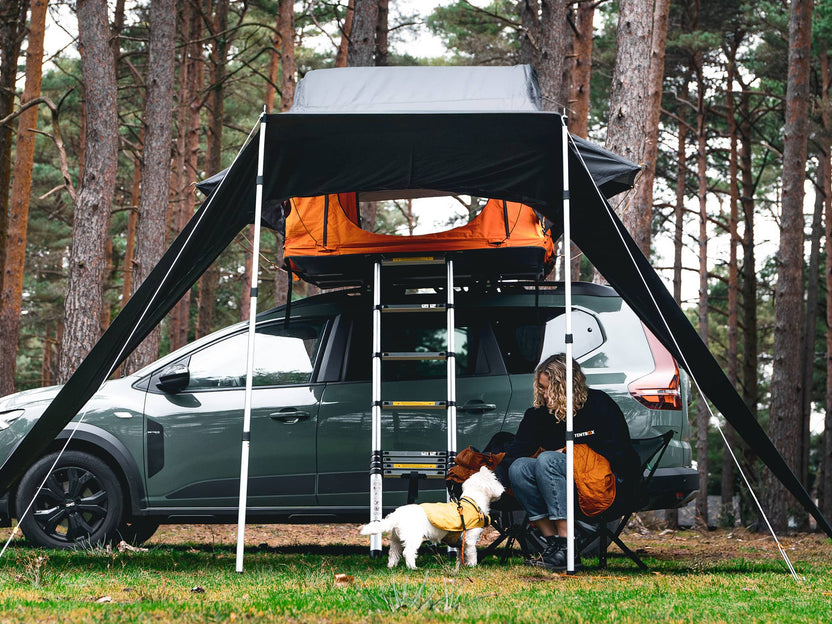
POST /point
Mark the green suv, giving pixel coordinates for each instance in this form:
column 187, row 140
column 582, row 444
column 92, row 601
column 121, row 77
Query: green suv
column 163, row 445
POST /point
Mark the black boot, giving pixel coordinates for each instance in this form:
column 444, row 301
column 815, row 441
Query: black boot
column 554, row 556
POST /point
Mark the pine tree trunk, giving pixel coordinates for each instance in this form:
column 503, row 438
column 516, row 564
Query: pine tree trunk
column 679, row 207
column 808, row 341
column 154, row 199
column 132, row 224
column 630, row 103
column 181, row 313
column 12, row 31
column 825, row 175
column 642, row 202
column 343, row 46
column 286, row 27
column 750, row 392
column 530, row 25
column 84, row 298
column 784, row 419
column 362, row 34
column 703, row 414
column 582, row 51
column 11, row 298
column 727, row 485
column 382, row 32
column 555, row 43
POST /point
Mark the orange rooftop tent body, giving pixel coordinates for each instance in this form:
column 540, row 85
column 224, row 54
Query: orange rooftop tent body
column 325, row 244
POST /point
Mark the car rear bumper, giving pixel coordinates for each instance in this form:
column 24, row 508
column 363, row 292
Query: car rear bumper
column 671, row 487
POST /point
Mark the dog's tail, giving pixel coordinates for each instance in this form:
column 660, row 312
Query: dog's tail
column 374, row 528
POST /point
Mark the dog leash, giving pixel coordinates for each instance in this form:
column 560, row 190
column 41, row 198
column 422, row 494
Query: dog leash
column 486, row 520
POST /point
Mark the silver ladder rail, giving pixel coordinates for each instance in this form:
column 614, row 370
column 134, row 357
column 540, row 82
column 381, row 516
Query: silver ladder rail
column 415, row 464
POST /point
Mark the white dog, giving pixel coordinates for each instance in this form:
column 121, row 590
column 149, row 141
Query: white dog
column 409, row 525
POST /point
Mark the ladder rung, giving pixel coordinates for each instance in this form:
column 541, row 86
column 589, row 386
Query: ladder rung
column 422, row 404
column 417, row 307
column 414, row 355
column 412, row 260
column 429, row 454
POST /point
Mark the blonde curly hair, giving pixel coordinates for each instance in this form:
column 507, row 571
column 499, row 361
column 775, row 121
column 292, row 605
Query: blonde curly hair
column 554, row 397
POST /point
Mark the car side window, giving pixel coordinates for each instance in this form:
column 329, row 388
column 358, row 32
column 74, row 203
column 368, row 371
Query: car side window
column 282, row 356
column 422, row 334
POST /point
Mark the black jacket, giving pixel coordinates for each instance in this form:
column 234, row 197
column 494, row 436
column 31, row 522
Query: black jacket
column 599, row 424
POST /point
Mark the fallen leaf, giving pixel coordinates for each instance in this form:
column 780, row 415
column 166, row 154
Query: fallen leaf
column 104, row 599
column 344, row 579
column 197, row 590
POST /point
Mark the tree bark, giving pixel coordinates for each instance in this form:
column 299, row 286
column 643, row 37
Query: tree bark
column 11, row 298
column 362, row 34
column 555, row 42
column 12, row 32
column 750, row 392
column 84, row 299
column 180, row 315
column 784, row 419
column 341, row 55
column 681, row 182
column 157, row 128
column 732, row 356
column 582, row 68
column 825, row 175
column 703, row 414
column 382, row 32
column 530, row 36
column 807, row 343
column 642, row 202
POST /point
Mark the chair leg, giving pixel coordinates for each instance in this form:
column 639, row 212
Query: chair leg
column 626, row 550
column 602, row 546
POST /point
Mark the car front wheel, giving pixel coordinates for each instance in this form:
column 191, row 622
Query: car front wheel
column 79, row 504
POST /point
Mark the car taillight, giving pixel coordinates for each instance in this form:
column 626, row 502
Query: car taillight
column 660, row 389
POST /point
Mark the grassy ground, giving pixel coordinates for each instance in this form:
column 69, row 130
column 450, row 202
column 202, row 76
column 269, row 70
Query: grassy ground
column 323, row 574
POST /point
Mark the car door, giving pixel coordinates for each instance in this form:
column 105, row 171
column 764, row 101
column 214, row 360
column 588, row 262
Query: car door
column 344, row 424
column 193, row 436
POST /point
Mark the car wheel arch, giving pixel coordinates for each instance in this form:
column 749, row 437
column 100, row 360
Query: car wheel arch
column 109, row 449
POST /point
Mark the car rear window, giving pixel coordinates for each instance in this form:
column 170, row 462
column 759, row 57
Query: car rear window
column 613, row 341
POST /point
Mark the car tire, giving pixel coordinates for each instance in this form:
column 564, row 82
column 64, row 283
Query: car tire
column 135, row 531
column 80, row 504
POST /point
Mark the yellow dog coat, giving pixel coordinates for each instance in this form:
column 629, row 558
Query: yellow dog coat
column 446, row 516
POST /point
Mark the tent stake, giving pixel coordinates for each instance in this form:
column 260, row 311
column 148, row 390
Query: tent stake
column 252, row 327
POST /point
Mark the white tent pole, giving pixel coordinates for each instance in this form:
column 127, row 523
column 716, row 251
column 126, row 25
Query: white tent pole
column 567, row 280
column 252, row 326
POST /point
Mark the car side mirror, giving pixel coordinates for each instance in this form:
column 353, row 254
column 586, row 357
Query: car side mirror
column 174, row 378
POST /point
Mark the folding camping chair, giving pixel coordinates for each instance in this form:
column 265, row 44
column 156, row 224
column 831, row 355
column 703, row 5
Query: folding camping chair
column 512, row 524
column 587, row 530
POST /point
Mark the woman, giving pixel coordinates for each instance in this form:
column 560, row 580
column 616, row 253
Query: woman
column 539, row 484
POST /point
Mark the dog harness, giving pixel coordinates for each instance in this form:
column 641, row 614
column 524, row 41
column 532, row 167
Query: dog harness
column 455, row 517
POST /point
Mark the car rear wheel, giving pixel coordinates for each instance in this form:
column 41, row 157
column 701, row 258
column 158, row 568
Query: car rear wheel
column 80, row 503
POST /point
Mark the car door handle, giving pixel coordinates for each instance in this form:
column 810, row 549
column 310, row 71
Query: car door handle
column 289, row 416
column 477, row 406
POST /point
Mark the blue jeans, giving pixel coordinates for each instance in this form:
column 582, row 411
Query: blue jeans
column 539, row 485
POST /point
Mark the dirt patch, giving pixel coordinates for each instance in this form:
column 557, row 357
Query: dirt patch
column 716, row 545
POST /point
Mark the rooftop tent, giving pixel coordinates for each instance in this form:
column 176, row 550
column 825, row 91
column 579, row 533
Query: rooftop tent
column 405, row 144
column 325, row 245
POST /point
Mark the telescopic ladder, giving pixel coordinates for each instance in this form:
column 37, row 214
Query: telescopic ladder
column 409, row 464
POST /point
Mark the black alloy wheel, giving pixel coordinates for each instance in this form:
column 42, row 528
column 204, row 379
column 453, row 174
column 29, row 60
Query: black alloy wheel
column 79, row 505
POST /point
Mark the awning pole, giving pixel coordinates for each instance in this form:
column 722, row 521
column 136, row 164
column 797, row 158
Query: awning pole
column 252, row 326
column 567, row 280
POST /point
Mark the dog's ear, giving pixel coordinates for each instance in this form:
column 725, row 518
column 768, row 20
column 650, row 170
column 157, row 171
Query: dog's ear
column 484, row 469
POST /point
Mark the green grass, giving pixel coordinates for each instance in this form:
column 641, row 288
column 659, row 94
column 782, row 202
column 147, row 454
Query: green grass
column 298, row 583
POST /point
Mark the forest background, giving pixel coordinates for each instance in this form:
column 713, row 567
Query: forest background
column 726, row 103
